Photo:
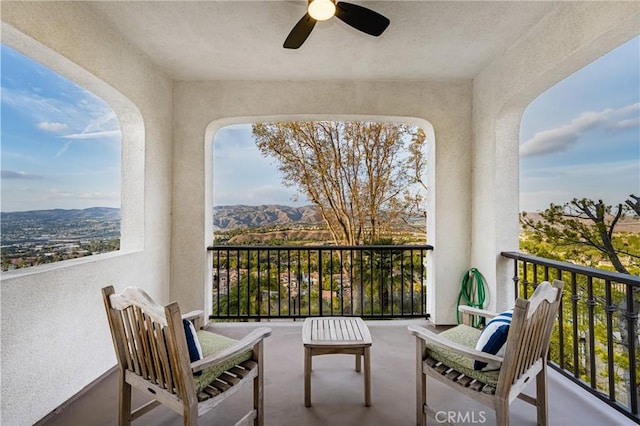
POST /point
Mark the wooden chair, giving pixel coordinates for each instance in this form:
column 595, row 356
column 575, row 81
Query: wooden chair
column 153, row 357
column 449, row 357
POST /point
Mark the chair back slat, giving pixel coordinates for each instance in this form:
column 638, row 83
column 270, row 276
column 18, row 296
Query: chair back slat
column 128, row 332
column 164, row 360
column 139, row 346
column 530, row 331
column 153, row 345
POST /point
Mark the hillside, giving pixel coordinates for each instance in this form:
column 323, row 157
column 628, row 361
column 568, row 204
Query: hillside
column 625, row 224
column 241, row 216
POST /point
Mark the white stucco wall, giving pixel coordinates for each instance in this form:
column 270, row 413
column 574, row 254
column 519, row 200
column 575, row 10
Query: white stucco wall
column 446, row 105
column 570, row 37
column 54, row 336
column 54, row 330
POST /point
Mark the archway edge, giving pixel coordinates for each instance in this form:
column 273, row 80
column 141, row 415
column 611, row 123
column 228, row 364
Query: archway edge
column 502, row 93
column 218, row 124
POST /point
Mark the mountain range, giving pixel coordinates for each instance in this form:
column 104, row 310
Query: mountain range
column 243, row 216
column 224, row 217
column 106, row 213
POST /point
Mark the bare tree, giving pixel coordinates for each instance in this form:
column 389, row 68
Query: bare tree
column 360, row 175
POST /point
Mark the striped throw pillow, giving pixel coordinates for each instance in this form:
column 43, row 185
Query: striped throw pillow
column 493, row 339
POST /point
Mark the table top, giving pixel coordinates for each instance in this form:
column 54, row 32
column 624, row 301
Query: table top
column 335, row 331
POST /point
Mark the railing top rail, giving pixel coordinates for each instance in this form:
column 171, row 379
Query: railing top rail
column 632, row 280
column 323, row 247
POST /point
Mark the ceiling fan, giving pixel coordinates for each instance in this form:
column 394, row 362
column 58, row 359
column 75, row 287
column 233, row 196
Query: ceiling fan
column 360, row 18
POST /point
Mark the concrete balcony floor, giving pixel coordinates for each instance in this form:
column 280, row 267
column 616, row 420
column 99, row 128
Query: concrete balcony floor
column 337, row 392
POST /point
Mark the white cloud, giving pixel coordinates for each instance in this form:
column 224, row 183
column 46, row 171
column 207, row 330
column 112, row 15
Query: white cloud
column 627, row 124
column 52, row 126
column 629, row 109
column 84, row 113
column 93, row 135
column 564, row 137
column 63, row 149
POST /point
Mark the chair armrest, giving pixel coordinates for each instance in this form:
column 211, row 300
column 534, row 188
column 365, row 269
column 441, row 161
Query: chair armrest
column 468, row 311
column 247, row 342
column 436, row 339
column 197, row 317
column 475, row 311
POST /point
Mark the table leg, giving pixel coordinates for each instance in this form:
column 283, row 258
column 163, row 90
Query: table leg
column 307, row 377
column 358, row 362
column 367, row 378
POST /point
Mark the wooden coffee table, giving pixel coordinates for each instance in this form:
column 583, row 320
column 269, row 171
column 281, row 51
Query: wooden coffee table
column 336, row 335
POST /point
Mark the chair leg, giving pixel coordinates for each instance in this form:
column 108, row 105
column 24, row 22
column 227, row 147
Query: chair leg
column 124, row 415
column 421, row 384
column 190, row 416
column 367, row 377
column 541, row 396
column 258, row 386
column 307, row 376
column 502, row 412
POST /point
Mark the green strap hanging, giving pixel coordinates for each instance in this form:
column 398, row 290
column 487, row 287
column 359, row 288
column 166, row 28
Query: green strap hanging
column 472, row 290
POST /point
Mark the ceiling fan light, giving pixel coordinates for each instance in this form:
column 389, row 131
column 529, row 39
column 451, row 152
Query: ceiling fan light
column 321, row 10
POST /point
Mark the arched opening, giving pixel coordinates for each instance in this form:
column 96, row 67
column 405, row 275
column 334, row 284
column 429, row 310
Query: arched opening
column 61, row 167
column 579, row 188
column 93, row 137
column 301, row 282
column 579, row 139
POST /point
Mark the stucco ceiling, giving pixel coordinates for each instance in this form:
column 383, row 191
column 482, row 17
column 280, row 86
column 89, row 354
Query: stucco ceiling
column 242, row 40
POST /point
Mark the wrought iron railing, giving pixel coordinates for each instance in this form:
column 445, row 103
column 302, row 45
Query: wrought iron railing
column 595, row 342
column 375, row 281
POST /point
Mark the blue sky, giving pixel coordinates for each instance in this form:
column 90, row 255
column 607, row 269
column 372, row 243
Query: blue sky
column 581, row 138
column 61, row 144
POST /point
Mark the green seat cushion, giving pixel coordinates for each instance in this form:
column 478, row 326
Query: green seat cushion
column 467, row 336
column 212, row 343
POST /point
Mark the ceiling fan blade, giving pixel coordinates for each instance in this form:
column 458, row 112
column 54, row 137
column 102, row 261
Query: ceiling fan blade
column 361, row 18
column 300, row 32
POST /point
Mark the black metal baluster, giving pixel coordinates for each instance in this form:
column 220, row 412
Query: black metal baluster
column 516, row 278
column 278, row 281
column 561, row 325
column 591, row 303
column 525, row 281
column 411, row 283
column 289, row 282
column 331, row 281
column 371, row 281
column 309, row 280
column 402, row 283
column 299, row 282
column 351, row 283
column 631, row 315
column 218, row 281
column 423, row 300
column 320, row 286
column 341, row 285
column 249, row 256
column 361, row 281
column 574, row 307
column 610, row 308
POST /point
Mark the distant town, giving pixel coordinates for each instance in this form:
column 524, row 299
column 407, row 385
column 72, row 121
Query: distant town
column 37, row 237
column 30, row 238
